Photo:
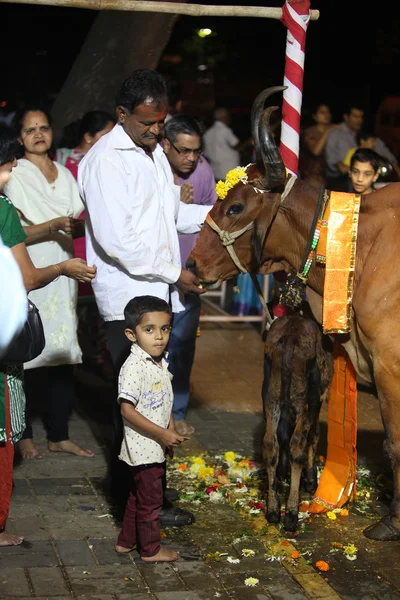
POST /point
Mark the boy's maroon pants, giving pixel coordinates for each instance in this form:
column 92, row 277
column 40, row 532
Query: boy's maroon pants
column 141, row 524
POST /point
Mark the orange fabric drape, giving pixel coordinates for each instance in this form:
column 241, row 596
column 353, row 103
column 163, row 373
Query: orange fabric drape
column 337, row 483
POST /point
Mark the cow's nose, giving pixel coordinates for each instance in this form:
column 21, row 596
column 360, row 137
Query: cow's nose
column 191, row 264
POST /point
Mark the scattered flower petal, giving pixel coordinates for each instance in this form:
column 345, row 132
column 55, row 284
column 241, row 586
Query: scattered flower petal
column 232, row 560
column 251, row 581
column 248, row 552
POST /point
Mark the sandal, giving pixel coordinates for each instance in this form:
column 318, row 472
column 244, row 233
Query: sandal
column 175, row 517
column 183, row 428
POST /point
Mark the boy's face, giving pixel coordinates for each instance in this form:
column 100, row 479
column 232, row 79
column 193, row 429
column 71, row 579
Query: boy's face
column 152, row 333
column 363, row 176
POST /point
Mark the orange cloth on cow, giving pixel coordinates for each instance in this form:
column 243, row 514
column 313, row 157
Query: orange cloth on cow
column 340, row 239
column 337, row 483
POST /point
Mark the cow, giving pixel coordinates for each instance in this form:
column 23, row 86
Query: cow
column 264, row 223
column 298, row 368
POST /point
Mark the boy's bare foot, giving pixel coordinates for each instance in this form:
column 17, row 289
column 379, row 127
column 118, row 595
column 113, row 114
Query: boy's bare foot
column 69, row 447
column 9, row 539
column 163, row 555
column 123, row 550
column 28, row 449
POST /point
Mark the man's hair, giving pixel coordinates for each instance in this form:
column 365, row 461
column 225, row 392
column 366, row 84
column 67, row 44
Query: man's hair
column 9, row 144
column 181, row 124
column 141, row 85
column 364, row 134
column 141, row 305
column 367, row 155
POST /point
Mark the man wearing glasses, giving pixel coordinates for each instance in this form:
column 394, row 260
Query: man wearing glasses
column 183, row 147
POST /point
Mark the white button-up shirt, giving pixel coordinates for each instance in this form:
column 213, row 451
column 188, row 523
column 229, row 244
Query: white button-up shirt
column 147, row 385
column 134, row 216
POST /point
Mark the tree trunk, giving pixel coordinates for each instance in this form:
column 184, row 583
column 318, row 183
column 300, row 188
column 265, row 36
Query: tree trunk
column 117, row 44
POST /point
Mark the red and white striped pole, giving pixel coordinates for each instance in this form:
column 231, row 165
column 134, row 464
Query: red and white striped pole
column 296, row 16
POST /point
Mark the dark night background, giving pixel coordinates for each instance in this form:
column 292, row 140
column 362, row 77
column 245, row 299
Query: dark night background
column 352, row 52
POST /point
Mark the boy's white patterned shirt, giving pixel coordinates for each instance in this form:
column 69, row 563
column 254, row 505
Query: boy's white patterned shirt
column 147, row 385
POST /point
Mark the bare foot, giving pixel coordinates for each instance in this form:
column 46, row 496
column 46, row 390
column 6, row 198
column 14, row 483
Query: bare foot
column 69, row 447
column 163, row 555
column 28, row 449
column 123, row 550
column 9, row 539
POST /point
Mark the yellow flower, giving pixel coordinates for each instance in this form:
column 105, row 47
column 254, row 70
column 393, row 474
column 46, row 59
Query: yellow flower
column 199, row 461
column 350, row 549
column 222, row 189
column 205, row 472
column 229, row 456
column 248, row 552
column 251, row 581
column 234, row 176
column 331, row 515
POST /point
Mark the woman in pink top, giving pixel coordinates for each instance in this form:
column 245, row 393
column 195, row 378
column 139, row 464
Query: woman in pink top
column 78, row 138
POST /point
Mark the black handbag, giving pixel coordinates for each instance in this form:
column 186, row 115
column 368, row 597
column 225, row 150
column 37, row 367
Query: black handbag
column 30, row 342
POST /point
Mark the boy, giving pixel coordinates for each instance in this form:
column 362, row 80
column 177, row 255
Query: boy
column 146, row 398
column 365, row 167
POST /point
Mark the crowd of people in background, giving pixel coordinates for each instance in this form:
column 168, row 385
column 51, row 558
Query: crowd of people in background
column 107, row 218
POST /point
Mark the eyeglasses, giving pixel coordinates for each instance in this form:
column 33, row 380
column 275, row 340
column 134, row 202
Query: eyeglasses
column 187, row 151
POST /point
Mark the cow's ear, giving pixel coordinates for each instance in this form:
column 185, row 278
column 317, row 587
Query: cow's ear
column 263, row 221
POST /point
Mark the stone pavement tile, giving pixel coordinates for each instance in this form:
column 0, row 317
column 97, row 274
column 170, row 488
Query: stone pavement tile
column 75, row 552
column 103, row 549
column 112, row 579
column 13, row 582
column 78, row 529
column 197, row 595
column 23, row 505
column 21, row 488
column 161, row 577
column 196, row 575
column 62, row 486
column 46, row 581
column 31, row 529
column 314, row 586
column 39, row 554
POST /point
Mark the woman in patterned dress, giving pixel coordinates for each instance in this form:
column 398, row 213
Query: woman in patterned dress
column 12, row 397
column 47, row 199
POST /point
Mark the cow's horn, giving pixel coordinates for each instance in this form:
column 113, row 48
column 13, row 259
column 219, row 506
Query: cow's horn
column 275, row 172
column 256, row 113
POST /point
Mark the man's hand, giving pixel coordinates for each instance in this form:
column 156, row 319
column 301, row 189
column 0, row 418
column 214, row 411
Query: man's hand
column 189, row 283
column 187, row 192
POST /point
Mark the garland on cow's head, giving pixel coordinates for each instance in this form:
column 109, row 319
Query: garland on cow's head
column 232, row 178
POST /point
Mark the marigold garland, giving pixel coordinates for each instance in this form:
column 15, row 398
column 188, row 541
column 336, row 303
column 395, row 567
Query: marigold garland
column 231, row 179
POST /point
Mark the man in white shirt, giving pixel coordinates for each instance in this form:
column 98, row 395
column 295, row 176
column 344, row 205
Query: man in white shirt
column 221, row 145
column 134, row 213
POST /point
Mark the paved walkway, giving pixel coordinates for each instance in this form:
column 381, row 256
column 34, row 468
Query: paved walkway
column 60, row 504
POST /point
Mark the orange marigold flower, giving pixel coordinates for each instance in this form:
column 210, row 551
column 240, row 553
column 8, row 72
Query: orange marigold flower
column 322, row 458
column 162, row 534
column 285, row 543
column 337, row 544
column 182, row 467
column 295, row 554
column 322, row 565
column 344, row 512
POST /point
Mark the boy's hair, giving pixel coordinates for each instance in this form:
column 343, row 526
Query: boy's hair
column 367, row 155
column 364, row 134
column 139, row 306
column 9, row 144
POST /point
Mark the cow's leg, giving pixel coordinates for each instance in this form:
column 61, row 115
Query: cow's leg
column 387, row 378
column 317, row 392
column 298, row 457
column 270, row 447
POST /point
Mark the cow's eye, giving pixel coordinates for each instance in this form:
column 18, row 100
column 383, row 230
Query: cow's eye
column 235, row 209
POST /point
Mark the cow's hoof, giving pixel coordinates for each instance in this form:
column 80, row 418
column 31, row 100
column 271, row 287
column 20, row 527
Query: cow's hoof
column 290, row 521
column 274, row 517
column 383, row 531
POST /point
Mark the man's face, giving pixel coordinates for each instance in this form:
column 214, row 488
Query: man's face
column 145, row 126
column 183, row 153
column 363, row 176
column 354, row 119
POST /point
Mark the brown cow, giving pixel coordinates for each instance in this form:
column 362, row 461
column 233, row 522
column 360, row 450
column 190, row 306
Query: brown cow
column 298, row 369
column 270, row 234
